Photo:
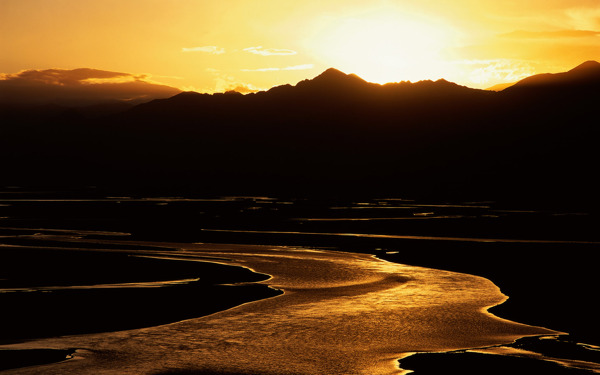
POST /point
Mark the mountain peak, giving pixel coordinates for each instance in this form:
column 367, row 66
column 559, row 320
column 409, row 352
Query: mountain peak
column 331, row 73
column 584, row 75
column 588, row 66
column 586, row 70
column 333, row 79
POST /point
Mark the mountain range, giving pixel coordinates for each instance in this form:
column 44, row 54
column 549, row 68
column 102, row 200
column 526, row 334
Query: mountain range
column 334, row 134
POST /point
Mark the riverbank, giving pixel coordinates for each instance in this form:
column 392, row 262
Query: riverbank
column 51, row 287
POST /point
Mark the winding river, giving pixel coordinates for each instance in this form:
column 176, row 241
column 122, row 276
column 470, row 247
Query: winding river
column 340, row 314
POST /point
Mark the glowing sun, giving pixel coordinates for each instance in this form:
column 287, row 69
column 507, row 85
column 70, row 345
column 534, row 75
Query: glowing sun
column 385, row 47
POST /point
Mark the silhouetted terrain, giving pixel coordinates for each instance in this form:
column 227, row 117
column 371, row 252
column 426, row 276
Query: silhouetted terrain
column 334, row 133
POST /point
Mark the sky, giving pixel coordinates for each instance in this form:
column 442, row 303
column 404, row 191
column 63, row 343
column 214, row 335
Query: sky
column 248, row 45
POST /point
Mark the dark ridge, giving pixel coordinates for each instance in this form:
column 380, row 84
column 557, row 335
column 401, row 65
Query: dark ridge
column 333, row 77
column 580, row 78
column 590, row 65
column 331, row 74
column 476, row 364
column 330, row 134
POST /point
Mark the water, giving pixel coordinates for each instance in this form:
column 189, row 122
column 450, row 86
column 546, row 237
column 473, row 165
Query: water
column 342, row 313
column 343, row 310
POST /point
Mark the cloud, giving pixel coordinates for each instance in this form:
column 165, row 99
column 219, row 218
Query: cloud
column 300, row 67
column 294, row 67
column 114, row 80
column 78, row 87
column 64, row 77
column 500, row 70
column 243, row 88
column 585, row 18
column 214, row 50
column 261, row 70
column 259, row 50
column 225, row 82
column 522, row 34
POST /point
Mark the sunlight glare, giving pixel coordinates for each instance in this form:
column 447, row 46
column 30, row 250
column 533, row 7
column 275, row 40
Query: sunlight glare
column 385, row 47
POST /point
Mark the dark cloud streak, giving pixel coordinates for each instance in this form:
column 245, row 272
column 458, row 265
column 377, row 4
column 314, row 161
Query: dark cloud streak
column 522, row 34
column 78, row 87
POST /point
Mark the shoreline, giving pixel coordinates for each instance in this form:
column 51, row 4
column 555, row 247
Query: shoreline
column 21, row 358
column 502, row 359
column 541, row 289
column 98, row 290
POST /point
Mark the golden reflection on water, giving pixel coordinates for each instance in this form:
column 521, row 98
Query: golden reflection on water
column 340, row 314
column 406, row 237
column 136, row 285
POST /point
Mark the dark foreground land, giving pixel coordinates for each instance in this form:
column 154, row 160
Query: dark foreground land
column 127, row 298
column 476, row 364
column 543, row 259
column 333, row 134
column 10, row 359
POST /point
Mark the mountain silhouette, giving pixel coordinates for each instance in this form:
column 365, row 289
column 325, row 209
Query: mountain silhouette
column 335, row 133
column 333, row 79
column 586, row 75
column 500, row 86
column 330, row 92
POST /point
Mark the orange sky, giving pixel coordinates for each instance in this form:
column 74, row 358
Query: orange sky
column 209, row 46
